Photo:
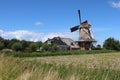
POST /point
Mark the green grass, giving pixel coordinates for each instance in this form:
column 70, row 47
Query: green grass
column 104, row 66
column 57, row 53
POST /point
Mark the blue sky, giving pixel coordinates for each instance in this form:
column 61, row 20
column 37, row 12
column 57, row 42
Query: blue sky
column 36, row 20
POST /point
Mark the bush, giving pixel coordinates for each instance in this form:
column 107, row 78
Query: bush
column 58, row 53
column 1, row 46
column 17, row 46
column 45, row 47
column 33, row 47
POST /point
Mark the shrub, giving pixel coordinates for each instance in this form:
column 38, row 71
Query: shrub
column 33, row 47
column 46, row 47
column 17, row 46
column 58, row 53
column 1, row 46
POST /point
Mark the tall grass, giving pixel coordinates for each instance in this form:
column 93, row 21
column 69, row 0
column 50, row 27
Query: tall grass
column 92, row 67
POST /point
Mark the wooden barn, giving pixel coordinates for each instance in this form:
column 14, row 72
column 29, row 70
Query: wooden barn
column 63, row 43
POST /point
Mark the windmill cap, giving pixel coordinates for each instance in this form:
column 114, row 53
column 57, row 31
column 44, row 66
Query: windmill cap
column 85, row 24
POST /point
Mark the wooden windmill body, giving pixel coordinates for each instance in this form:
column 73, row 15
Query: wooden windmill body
column 86, row 39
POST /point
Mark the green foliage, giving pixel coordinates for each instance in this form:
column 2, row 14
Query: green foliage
column 45, row 47
column 25, row 45
column 53, row 47
column 33, row 46
column 1, row 45
column 6, row 42
column 50, row 47
column 58, row 53
column 29, row 46
column 98, row 47
column 39, row 44
column 1, row 39
column 12, row 41
column 111, row 44
column 17, row 46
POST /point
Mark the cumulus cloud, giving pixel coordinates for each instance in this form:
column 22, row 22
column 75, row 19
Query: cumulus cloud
column 64, row 34
column 38, row 23
column 21, row 35
column 115, row 4
column 34, row 36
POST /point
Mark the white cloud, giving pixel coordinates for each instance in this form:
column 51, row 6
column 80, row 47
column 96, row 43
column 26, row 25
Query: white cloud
column 34, row 36
column 64, row 34
column 38, row 23
column 115, row 4
column 21, row 35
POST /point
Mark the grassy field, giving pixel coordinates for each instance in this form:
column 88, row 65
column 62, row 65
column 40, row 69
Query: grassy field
column 69, row 67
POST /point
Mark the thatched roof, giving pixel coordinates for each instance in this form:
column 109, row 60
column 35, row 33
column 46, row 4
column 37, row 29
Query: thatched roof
column 63, row 41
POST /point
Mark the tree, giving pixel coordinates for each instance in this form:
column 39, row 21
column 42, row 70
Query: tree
column 1, row 39
column 12, row 41
column 111, row 44
column 1, row 46
column 53, row 47
column 1, row 43
column 6, row 42
column 46, row 47
column 98, row 47
column 49, row 47
column 39, row 44
column 33, row 46
column 25, row 45
column 17, row 46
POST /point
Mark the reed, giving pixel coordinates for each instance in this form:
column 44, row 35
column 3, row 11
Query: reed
column 72, row 67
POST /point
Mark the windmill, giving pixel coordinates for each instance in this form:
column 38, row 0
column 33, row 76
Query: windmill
column 86, row 39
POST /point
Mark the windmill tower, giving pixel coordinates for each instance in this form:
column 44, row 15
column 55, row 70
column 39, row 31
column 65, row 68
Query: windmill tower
column 86, row 39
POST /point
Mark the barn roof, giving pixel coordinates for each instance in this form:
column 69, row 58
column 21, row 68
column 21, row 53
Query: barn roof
column 63, row 41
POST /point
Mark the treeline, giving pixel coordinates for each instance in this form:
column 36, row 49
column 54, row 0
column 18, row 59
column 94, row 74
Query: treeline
column 30, row 46
column 25, row 46
column 109, row 44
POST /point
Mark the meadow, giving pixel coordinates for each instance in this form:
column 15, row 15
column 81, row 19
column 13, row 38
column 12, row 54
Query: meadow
column 105, row 66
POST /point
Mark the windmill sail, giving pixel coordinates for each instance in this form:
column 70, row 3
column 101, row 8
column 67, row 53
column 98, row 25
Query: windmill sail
column 79, row 16
column 74, row 28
